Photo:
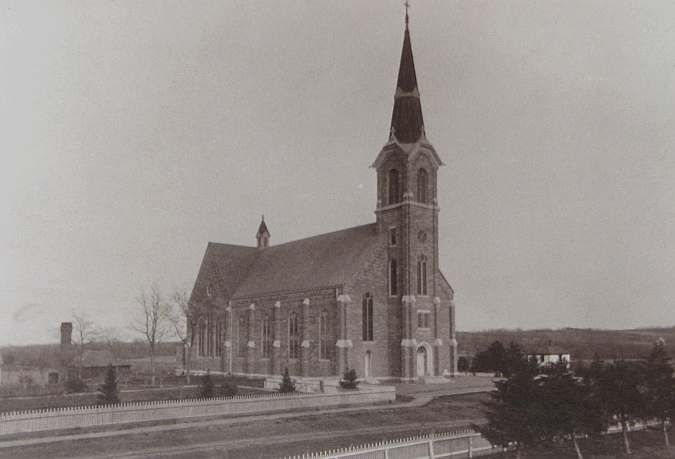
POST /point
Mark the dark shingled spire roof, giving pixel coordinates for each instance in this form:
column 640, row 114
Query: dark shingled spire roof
column 262, row 229
column 407, row 124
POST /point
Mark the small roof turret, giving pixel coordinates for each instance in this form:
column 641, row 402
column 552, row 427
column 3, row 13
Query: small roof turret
column 263, row 235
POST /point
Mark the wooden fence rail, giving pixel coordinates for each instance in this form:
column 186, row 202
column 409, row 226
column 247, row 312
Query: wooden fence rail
column 458, row 443
column 77, row 417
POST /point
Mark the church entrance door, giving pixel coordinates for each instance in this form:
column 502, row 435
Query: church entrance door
column 368, row 365
column 422, row 361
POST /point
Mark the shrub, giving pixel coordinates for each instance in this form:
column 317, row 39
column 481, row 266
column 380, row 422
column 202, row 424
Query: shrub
column 108, row 393
column 349, row 381
column 229, row 387
column 463, row 364
column 207, row 385
column 287, row 384
column 74, row 385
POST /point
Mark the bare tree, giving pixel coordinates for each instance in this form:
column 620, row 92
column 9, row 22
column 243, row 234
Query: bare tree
column 109, row 337
column 183, row 317
column 84, row 333
column 151, row 321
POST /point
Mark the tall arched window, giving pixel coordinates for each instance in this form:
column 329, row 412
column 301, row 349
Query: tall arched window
column 367, row 332
column 422, row 275
column 394, row 187
column 293, row 337
column 393, row 278
column 219, row 336
column 266, row 333
column 323, row 335
column 422, row 186
column 209, row 334
column 242, row 335
column 202, row 337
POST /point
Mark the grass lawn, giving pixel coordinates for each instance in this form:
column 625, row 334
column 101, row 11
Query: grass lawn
column 270, row 438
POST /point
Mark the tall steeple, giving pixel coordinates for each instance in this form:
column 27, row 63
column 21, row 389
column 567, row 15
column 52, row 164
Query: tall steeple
column 407, row 124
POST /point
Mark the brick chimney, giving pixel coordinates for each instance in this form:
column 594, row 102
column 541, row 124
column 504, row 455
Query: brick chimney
column 66, row 335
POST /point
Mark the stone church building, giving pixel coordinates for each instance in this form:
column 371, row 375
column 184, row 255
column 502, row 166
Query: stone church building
column 370, row 297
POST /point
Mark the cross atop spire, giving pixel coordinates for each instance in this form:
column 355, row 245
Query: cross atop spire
column 407, row 5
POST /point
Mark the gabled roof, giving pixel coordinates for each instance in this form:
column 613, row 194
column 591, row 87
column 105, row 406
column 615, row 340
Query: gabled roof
column 318, row 261
column 223, row 268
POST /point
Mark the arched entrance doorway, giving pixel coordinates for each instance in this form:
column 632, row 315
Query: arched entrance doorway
column 422, row 362
column 368, row 365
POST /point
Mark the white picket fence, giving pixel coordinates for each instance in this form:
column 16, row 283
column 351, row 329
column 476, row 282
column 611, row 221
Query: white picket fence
column 460, row 442
column 124, row 413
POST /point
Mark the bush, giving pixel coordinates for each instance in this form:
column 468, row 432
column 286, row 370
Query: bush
column 74, row 385
column 108, row 393
column 349, row 381
column 229, row 387
column 207, row 386
column 463, row 364
column 287, row 384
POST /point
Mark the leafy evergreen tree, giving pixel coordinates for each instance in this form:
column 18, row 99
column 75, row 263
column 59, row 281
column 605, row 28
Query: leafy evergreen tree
column 108, row 393
column 491, row 359
column 514, row 413
column 617, row 388
column 349, row 380
column 207, row 385
column 659, row 388
column 229, row 387
column 569, row 407
column 512, row 360
column 287, row 384
column 462, row 364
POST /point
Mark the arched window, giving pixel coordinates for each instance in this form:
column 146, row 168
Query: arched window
column 323, row 335
column 393, row 278
column 266, row 333
column 394, row 187
column 293, row 337
column 219, row 336
column 209, row 334
column 201, row 338
column 422, row 186
column 367, row 316
column 422, row 275
column 242, row 335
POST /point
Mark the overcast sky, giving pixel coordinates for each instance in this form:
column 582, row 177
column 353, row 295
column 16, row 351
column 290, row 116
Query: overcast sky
column 134, row 132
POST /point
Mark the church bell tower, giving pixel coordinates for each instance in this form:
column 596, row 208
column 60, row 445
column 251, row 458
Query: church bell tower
column 407, row 208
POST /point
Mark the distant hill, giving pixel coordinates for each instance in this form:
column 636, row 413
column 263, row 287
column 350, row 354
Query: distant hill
column 581, row 343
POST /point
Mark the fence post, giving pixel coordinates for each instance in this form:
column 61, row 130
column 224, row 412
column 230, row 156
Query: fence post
column 470, row 446
column 431, row 448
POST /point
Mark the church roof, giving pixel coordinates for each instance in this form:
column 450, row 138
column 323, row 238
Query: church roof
column 407, row 124
column 224, row 267
column 318, row 261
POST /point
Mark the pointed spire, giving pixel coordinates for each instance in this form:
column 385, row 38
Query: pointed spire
column 407, row 124
column 263, row 235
